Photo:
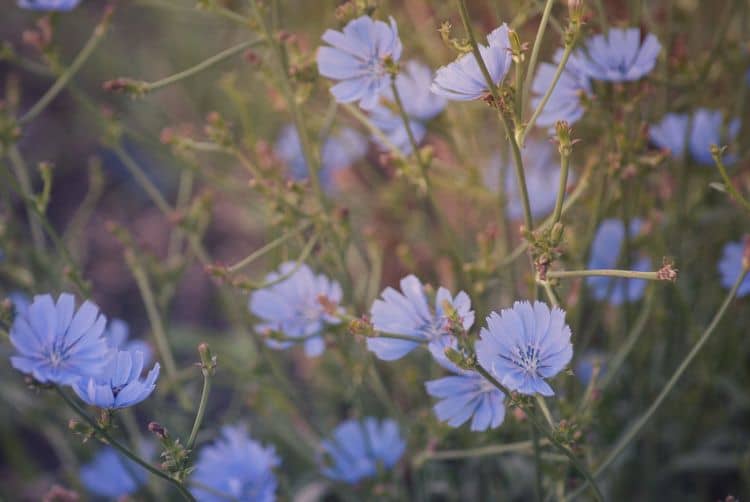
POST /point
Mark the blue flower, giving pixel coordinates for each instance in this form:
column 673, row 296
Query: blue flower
column 109, row 474
column 20, row 303
column 706, row 131
column 619, row 56
column 565, row 102
column 238, row 467
column 542, row 172
column 357, row 447
column 465, row 395
column 671, row 133
column 299, row 306
column 605, row 254
column 51, row 5
column 585, row 366
column 419, row 102
column 730, row 267
column 338, row 152
column 117, row 334
column 524, row 345
column 357, row 58
column 119, row 385
column 56, row 344
column 463, row 80
column 408, row 314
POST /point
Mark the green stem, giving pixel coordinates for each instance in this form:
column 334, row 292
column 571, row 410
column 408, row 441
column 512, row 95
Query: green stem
column 24, row 182
column 121, row 448
column 628, row 274
column 409, row 132
column 539, row 485
column 482, row 451
column 143, row 180
column 564, row 167
column 728, row 182
column 201, row 409
column 537, row 46
column 268, row 247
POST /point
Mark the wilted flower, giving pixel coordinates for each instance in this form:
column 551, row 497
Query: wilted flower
column 524, row 345
column 358, row 59
column 120, row 384
column 565, row 100
column 605, row 253
column 463, row 80
column 237, row 467
column 117, row 334
column 56, row 344
column 542, row 172
column 299, row 306
column 619, row 56
column 109, row 474
column 51, row 5
column 357, row 447
column 338, row 152
column 420, row 104
column 706, row 131
column 408, row 314
column 730, row 267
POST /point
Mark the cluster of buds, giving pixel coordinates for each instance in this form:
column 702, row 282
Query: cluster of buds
column 208, row 360
column 517, row 48
column 175, row 457
column 564, row 138
column 461, row 359
column 545, row 247
column 667, row 272
column 353, row 9
column 131, row 87
column 362, row 326
column 460, row 45
column 567, row 433
column 218, row 130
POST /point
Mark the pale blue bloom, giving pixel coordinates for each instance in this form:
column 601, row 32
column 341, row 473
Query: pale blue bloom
column 524, row 345
column 409, row 314
column 463, row 80
column 338, row 152
column 110, row 474
column 671, row 133
column 619, row 56
column 57, row 344
column 542, row 172
column 605, row 254
column 119, row 385
column 465, row 395
column 420, row 105
column 299, row 306
column 565, row 102
column 357, row 448
column 238, row 467
column 117, row 334
column 20, row 302
column 730, row 267
column 706, row 131
column 49, row 5
column 585, row 366
column 357, row 58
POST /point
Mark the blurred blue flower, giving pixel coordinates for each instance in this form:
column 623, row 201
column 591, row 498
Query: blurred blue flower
column 119, row 385
column 408, row 314
column 357, row 58
column 20, row 303
column 59, row 5
column 605, row 254
column 463, row 80
column 619, row 56
column 357, row 447
column 565, row 101
column 419, row 102
column 671, row 133
column 56, row 344
column 585, row 366
column 338, row 152
column 730, row 267
column 299, row 306
column 706, row 131
column 117, row 334
column 524, row 345
column 542, row 172
column 110, row 474
column 238, row 467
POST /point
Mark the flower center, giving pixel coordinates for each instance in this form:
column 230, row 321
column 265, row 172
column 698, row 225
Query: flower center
column 528, row 359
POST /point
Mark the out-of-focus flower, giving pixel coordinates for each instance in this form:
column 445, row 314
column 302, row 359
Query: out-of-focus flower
column 299, row 306
column 605, row 254
column 565, row 101
column 56, row 344
column 357, row 447
column 120, row 384
column 109, row 474
column 585, row 366
column 524, row 345
column 358, row 59
column 542, row 172
column 49, row 5
column 408, row 314
column 619, row 56
column 237, row 467
column 117, row 334
column 463, row 80
column 671, row 133
column 706, row 131
column 338, row 152
column 730, row 267
column 420, row 104
column 20, row 303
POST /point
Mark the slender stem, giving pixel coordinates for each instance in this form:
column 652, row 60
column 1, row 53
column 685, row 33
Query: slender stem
column 143, row 180
column 550, row 292
column 628, row 274
column 201, row 410
column 728, row 182
column 24, row 182
column 375, row 130
column 636, row 428
column 539, row 482
column 602, row 15
column 482, row 451
column 537, row 46
column 542, row 404
column 268, row 247
column 409, row 132
column 65, row 76
column 121, row 448
column 203, row 65
column 564, row 167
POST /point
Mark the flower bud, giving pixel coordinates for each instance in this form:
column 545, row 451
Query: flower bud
column 208, row 361
column 158, row 430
